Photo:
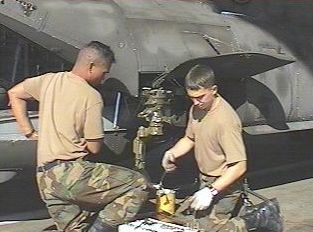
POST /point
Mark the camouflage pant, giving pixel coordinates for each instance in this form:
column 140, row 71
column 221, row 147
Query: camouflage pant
column 219, row 216
column 76, row 192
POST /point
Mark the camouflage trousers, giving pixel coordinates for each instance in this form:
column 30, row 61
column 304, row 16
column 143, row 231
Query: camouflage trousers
column 77, row 192
column 219, row 217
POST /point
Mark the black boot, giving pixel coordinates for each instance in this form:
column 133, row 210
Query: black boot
column 264, row 217
column 99, row 226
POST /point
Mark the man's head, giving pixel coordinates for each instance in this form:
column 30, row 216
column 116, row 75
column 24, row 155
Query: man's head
column 200, row 86
column 94, row 62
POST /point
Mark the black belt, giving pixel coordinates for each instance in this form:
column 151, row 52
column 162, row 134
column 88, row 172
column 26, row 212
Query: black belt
column 203, row 174
column 52, row 164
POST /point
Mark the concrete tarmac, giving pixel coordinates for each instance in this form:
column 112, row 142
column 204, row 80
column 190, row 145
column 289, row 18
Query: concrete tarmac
column 295, row 200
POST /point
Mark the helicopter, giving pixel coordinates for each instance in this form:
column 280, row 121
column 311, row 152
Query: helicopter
column 156, row 42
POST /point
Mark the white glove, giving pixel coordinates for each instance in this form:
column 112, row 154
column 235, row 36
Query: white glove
column 168, row 161
column 202, row 199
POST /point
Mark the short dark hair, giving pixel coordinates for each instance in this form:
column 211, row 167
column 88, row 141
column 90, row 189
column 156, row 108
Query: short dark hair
column 104, row 50
column 199, row 76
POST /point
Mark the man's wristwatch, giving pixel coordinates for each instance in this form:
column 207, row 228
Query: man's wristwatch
column 213, row 190
column 28, row 135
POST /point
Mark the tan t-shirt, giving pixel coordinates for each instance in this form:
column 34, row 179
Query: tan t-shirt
column 217, row 137
column 70, row 111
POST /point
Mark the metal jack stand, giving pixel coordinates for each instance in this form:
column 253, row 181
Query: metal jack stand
column 247, row 190
column 155, row 113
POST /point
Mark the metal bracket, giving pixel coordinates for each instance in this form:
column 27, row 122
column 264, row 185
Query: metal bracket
column 27, row 7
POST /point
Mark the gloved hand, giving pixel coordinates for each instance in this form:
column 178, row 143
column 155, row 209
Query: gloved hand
column 168, row 161
column 202, row 199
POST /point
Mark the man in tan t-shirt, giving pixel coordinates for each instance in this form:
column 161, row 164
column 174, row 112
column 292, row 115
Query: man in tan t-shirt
column 70, row 128
column 214, row 132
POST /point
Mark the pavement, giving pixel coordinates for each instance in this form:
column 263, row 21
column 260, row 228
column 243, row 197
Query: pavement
column 295, row 201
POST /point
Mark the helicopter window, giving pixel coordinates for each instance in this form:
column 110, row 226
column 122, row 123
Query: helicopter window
column 21, row 58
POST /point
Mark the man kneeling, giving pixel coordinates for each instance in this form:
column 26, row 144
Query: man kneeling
column 70, row 128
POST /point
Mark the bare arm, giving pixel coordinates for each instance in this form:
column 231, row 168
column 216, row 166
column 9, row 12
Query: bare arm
column 233, row 173
column 18, row 99
column 182, row 147
column 94, row 145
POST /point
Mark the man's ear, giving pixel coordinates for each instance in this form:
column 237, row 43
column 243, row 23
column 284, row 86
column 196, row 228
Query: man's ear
column 214, row 88
column 91, row 65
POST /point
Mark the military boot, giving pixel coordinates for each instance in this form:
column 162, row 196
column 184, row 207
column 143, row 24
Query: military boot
column 264, row 217
column 99, row 226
